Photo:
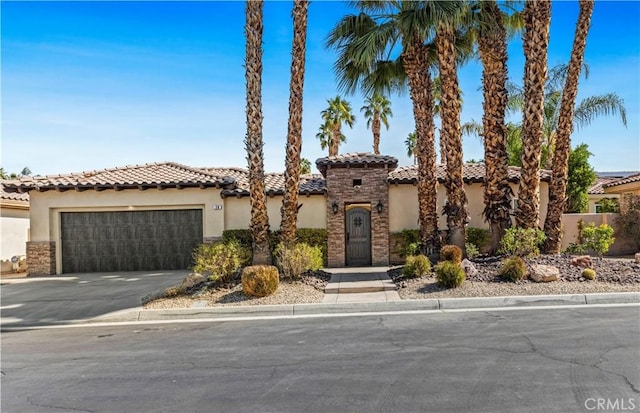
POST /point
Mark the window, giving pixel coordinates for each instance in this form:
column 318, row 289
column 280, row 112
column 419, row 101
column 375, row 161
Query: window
column 357, row 183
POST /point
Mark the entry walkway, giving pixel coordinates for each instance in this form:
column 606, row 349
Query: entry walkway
column 359, row 284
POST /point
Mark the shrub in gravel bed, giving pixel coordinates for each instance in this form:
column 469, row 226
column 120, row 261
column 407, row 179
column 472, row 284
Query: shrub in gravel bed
column 295, row 260
column 260, row 280
column 220, row 261
column 449, row 274
column 451, row 253
column 416, row 266
column 513, row 269
column 589, row 274
column 522, row 242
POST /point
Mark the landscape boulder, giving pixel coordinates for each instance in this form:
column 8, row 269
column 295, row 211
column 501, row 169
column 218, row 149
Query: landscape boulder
column 192, row 280
column 544, row 273
column 583, row 261
column 637, row 257
column 468, row 267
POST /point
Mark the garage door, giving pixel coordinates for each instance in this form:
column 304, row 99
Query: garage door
column 129, row 240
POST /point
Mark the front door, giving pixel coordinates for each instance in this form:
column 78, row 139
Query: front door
column 358, row 236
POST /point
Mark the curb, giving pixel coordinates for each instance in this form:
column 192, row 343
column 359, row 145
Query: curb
column 288, row 310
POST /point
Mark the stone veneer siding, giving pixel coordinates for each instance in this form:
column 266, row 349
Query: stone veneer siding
column 374, row 188
column 41, row 258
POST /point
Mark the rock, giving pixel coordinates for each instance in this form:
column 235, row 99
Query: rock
column 192, row 280
column 637, row 257
column 544, row 273
column 468, row 267
column 583, row 261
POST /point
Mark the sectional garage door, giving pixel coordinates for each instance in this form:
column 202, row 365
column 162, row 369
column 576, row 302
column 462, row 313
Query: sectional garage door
column 129, row 240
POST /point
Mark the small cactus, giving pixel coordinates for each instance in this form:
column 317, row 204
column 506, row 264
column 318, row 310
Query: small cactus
column 589, row 274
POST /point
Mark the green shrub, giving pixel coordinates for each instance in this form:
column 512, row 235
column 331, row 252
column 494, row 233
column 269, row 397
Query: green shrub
column 451, row 253
column 513, row 269
column 599, row 238
column 407, row 242
column 260, row 280
column 472, row 250
column 242, row 236
column 220, row 261
column 589, row 274
column 298, row 259
column 449, row 274
column 479, row 237
column 576, row 249
column 416, row 266
column 522, row 242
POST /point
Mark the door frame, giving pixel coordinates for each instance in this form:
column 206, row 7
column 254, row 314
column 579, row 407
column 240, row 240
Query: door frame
column 347, row 208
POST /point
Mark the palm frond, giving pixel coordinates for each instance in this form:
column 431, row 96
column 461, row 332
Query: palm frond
column 603, row 105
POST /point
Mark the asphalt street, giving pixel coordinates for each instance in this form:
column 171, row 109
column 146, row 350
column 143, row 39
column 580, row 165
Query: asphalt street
column 533, row 360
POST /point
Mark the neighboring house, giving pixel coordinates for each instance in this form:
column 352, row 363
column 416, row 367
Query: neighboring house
column 151, row 216
column 14, row 227
column 596, row 191
column 624, row 187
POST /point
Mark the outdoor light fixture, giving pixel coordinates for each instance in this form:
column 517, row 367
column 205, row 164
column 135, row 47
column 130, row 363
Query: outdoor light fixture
column 379, row 207
column 334, row 207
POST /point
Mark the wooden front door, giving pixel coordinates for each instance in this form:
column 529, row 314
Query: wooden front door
column 358, row 237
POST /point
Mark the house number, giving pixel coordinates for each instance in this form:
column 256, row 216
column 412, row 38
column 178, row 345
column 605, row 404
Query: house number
column 217, row 207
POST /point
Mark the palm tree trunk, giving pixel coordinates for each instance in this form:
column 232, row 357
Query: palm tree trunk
column 253, row 75
column 456, row 206
column 294, row 128
column 492, row 46
column 414, row 58
column 334, row 148
column 560, row 175
column 375, row 128
column 537, row 17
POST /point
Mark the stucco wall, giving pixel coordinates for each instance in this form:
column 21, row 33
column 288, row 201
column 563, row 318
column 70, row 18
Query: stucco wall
column 14, row 234
column 403, row 205
column 312, row 214
column 47, row 206
column 621, row 246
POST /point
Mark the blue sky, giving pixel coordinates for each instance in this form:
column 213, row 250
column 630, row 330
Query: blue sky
column 90, row 85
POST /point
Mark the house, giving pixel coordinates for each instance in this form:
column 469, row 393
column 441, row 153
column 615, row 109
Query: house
column 624, row 188
column 14, row 227
column 596, row 192
column 151, row 216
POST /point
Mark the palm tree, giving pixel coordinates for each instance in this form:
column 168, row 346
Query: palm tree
column 305, row 166
column 253, row 74
column 410, row 143
column 325, row 136
column 537, row 17
column 294, row 128
column 451, row 134
column 560, row 173
column 377, row 111
column 337, row 113
column 382, row 49
column 492, row 47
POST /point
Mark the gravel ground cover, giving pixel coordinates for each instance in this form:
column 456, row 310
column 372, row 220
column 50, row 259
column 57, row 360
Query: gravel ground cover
column 613, row 275
column 309, row 289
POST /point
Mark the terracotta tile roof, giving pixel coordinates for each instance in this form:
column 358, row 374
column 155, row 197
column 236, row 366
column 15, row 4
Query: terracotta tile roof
column 154, row 175
column 597, row 187
column 311, row 184
column 360, row 159
column 627, row 180
column 13, row 196
column 471, row 173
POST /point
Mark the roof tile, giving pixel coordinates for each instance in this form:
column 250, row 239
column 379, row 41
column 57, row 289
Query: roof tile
column 627, row 180
column 471, row 173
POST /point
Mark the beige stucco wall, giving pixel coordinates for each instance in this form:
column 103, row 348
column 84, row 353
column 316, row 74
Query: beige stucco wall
column 14, row 234
column 620, row 246
column 47, row 206
column 403, row 205
column 312, row 214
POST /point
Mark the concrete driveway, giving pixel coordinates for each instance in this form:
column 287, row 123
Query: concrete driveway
column 75, row 297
